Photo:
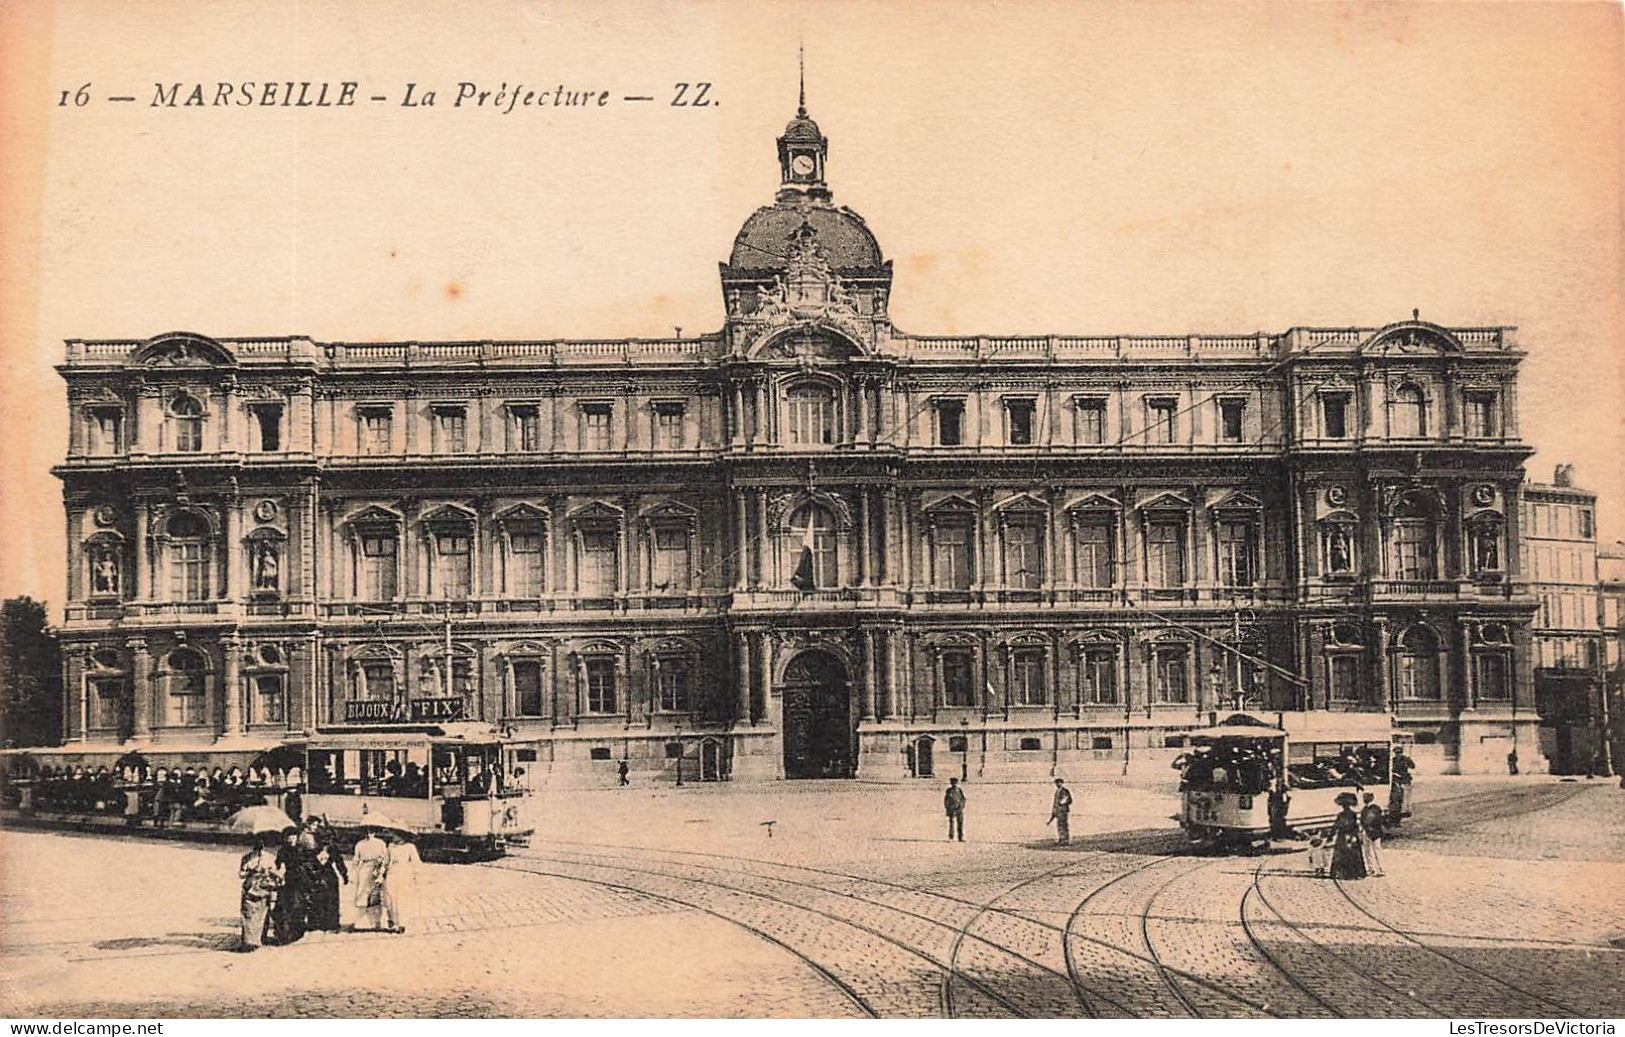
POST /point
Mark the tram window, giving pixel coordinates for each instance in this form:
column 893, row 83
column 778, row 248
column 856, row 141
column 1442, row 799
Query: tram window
column 1337, row 764
column 326, row 774
column 600, row 752
column 1102, row 742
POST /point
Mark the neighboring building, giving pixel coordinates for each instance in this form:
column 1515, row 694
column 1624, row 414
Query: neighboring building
column 807, row 544
column 1560, row 556
column 1611, row 589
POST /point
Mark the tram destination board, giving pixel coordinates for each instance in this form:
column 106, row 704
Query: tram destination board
column 404, row 711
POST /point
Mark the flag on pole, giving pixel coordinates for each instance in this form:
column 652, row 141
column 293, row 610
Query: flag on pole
column 805, row 579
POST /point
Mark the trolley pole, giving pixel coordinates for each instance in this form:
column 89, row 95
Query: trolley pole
column 964, row 754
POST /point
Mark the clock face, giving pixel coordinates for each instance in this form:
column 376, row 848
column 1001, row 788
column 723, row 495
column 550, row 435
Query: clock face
column 801, row 165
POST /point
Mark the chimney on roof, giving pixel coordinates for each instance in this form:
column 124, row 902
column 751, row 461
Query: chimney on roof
column 1564, row 475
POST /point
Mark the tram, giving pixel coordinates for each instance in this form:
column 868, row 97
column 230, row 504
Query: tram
column 1237, row 770
column 443, row 786
column 448, row 791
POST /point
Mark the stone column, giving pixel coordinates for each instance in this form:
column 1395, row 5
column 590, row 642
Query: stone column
column 760, row 568
column 1469, row 678
column 741, row 543
column 742, row 648
column 863, row 574
column 234, row 548
column 764, row 660
column 231, row 650
column 140, row 689
column 1384, row 694
column 893, row 638
column 868, row 675
column 141, row 581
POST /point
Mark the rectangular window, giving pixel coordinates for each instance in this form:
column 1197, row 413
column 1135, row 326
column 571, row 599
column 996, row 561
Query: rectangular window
column 453, row 564
column 598, row 563
column 1481, row 423
column 526, row 561
column 672, row 685
column 1230, row 412
column 1334, row 409
column 950, row 422
column 106, row 428
column 1587, row 530
column 1023, row 555
column 957, row 689
column 669, row 426
column 1091, row 421
column 951, row 543
column 600, row 685
column 1020, row 414
column 1100, row 676
column 1346, row 677
column 1413, row 550
column 1165, row 554
column 378, row 566
column 268, row 705
column 106, row 709
column 1492, row 676
column 812, row 415
column 1236, row 568
column 527, row 687
column 1094, row 555
column 524, row 428
column 595, row 426
column 1170, row 675
column 377, row 431
column 186, row 698
column 268, row 426
column 451, row 430
column 1027, row 677
column 670, row 562
column 377, row 682
column 1164, row 419
column 189, row 572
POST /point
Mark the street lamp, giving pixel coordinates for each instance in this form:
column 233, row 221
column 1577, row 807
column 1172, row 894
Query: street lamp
column 964, row 749
column 1216, row 679
column 679, row 754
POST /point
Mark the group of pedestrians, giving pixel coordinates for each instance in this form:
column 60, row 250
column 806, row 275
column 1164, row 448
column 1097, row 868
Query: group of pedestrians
column 953, row 804
column 291, row 884
column 1353, row 849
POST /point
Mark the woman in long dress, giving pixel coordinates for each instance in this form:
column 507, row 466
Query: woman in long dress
column 262, row 877
column 401, row 882
column 1348, row 862
column 326, row 872
column 370, row 856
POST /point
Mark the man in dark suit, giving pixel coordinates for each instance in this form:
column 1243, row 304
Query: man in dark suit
column 953, row 804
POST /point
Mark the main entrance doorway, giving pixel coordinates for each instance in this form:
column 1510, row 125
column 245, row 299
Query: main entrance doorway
column 818, row 726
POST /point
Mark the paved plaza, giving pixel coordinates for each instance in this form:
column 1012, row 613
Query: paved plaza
column 844, row 900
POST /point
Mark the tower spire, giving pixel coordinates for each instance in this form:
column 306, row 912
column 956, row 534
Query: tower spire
column 801, row 67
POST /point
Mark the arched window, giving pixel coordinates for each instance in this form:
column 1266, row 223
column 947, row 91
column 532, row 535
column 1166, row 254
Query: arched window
column 1413, row 541
column 186, row 416
column 1419, row 665
column 1408, row 412
column 189, row 550
column 817, row 563
column 811, row 414
column 188, row 680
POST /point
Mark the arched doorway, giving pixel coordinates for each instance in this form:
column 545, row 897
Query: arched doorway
column 818, row 726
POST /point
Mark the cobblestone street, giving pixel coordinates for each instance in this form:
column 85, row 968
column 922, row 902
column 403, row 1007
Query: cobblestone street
column 1499, row 900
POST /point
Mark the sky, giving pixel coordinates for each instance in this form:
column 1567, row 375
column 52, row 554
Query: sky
column 1066, row 168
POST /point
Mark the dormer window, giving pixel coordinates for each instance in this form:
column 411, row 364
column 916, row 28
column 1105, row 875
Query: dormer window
column 186, row 416
column 105, row 428
column 268, row 426
column 1019, row 415
column 950, row 422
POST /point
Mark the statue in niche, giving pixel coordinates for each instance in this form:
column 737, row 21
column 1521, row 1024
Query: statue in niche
column 1486, row 550
column 267, row 567
column 1339, row 550
column 104, row 570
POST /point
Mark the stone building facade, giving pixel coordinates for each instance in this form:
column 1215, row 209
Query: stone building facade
column 808, row 544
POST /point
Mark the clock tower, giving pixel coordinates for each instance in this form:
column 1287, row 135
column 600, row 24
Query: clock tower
column 802, row 150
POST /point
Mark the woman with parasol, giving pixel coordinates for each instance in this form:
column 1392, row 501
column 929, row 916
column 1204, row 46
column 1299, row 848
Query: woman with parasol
column 1348, row 861
column 262, row 876
column 401, row 880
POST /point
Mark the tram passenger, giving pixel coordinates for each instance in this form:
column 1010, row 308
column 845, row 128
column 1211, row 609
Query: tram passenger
column 1280, row 802
column 401, row 882
column 370, row 856
column 262, row 877
column 415, row 780
column 1348, row 862
column 1371, row 817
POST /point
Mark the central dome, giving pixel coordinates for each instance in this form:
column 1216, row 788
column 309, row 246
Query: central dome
column 764, row 241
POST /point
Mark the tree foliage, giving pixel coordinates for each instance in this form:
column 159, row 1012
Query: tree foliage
column 30, row 675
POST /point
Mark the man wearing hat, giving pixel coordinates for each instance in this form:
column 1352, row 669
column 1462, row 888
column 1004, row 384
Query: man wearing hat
column 1061, row 813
